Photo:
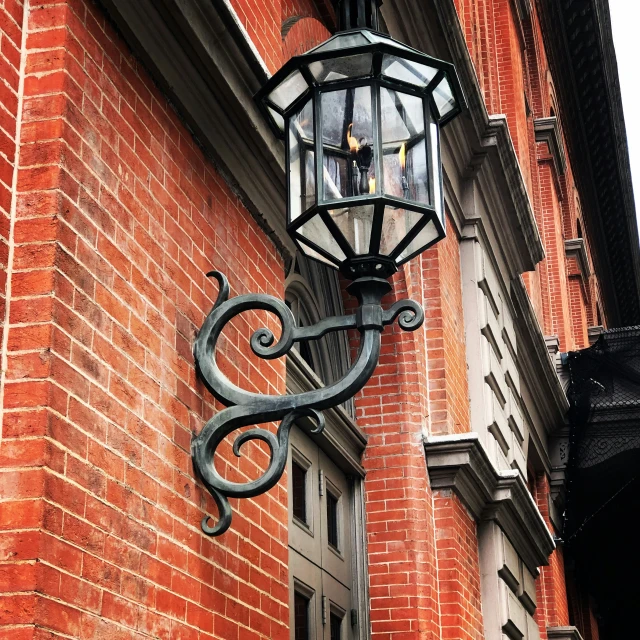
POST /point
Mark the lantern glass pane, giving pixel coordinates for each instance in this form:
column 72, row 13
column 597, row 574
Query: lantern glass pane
column 436, row 165
column 315, row 230
column 302, row 179
column 443, row 97
column 404, row 146
column 355, row 223
column 291, row 88
column 396, row 224
column 344, row 41
column 342, row 68
column 425, row 237
column 312, row 253
column 277, row 118
column 347, row 143
column 375, row 37
column 407, row 71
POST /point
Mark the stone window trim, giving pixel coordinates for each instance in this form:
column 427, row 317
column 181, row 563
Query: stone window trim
column 460, row 463
column 563, row 633
column 576, row 248
column 548, row 130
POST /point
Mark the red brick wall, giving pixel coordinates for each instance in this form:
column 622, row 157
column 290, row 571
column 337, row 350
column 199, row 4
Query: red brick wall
column 458, row 569
column 448, row 392
column 118, row 218
column 10, row 47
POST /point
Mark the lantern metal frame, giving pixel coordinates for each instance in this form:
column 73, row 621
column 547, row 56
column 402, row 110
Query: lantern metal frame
column 378, row 45
column 369, row 272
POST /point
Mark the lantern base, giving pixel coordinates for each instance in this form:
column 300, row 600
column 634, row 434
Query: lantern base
column 368, row 266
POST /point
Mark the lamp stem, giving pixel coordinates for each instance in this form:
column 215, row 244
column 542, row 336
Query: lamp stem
column 358, row 14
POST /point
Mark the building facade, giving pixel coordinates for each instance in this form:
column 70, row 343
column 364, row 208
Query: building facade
column 133, row 160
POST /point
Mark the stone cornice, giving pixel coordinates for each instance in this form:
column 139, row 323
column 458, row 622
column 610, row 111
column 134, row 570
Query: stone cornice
column 460, row 463
column 563, row 633
column 575, row 248
column 548, row 130
column 203, row 59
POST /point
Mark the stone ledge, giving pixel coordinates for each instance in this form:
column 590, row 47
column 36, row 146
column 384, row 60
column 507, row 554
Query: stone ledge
column 563, row 633
column 460, row 463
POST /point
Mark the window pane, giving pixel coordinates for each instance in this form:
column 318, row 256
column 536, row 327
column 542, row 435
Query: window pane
column 332, row 520
column 299, row 483
column 342, row 41
column 404, row 146
column 308, row 251
column 336, row 625
column 347, row 137
column 277, row 118
column 301, row 617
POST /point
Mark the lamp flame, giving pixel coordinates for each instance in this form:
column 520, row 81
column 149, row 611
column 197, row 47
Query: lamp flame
column 351, row 141
column 403, row 157
column 372, row 185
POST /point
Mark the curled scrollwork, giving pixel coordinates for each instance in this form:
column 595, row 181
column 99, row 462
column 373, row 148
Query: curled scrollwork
column 245, row 408
column 409, row 313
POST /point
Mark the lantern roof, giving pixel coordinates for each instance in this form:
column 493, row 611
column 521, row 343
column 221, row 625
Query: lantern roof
column 354, row 56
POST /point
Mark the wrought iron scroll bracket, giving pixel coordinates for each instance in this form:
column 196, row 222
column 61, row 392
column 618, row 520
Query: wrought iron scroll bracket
column 245, row 408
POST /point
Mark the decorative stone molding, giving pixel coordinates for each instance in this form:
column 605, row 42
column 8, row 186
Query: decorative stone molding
column 563, row 633
column 559, row 454
column 594, row 333
column 548, row 130
column 575, row 248
column 460, row 463
column 553, row 347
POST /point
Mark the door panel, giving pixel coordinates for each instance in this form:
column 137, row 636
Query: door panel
column 307, row 580
column 339, row 604
column 305, row 538
column 337, row 561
